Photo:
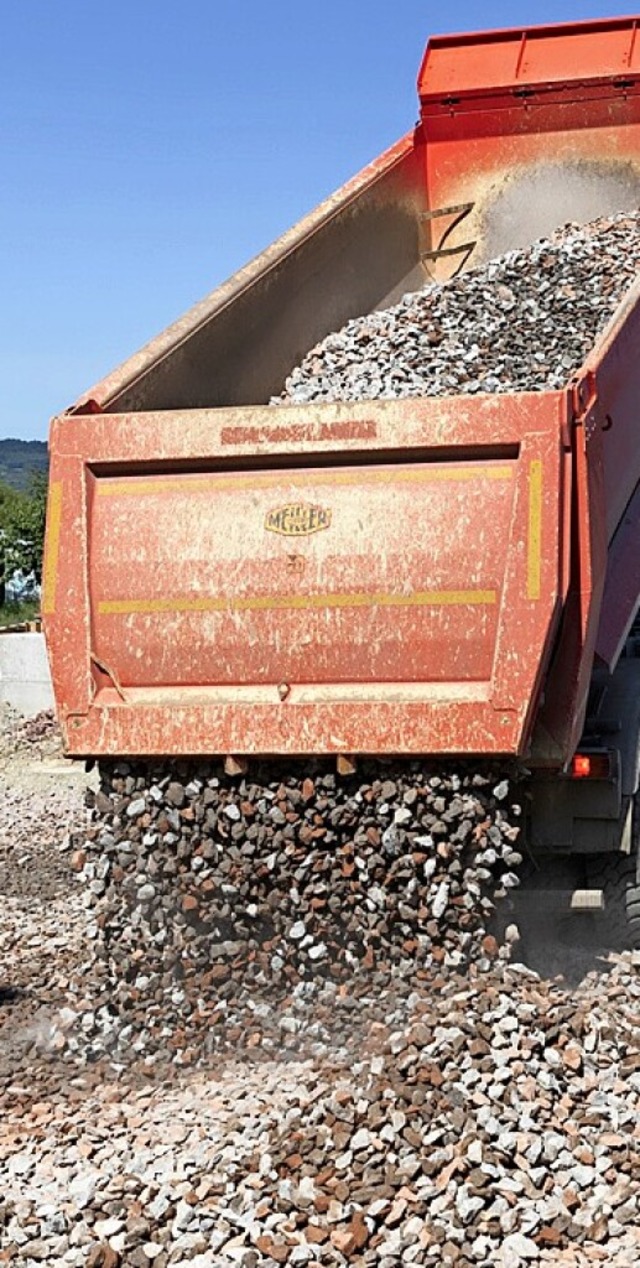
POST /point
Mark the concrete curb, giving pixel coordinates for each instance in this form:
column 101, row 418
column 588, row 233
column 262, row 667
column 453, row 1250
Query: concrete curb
column 25, row 678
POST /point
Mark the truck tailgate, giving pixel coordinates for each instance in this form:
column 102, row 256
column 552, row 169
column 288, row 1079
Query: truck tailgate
column 375, row 578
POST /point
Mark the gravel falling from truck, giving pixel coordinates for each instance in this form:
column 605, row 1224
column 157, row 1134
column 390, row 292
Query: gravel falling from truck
column 216, row 895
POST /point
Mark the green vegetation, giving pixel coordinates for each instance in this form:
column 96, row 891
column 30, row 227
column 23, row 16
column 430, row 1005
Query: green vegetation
column 22, row 520
column 23, row 495
column 17, row 613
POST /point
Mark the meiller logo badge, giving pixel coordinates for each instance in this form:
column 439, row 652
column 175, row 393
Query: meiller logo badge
column 297, row 519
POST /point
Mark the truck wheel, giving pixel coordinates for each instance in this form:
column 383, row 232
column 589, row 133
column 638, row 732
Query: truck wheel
column 617, row 875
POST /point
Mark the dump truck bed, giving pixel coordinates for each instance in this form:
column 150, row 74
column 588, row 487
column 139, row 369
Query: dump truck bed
column 417, row 576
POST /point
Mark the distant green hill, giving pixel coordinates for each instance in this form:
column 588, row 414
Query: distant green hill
column 20, row 459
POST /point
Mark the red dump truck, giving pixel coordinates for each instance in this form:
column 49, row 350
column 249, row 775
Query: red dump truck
column 445, row 577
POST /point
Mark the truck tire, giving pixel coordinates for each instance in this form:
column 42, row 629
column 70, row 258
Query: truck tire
column 618, row 876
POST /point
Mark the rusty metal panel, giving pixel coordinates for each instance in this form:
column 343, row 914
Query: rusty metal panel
column 609, row 435
column 295, row 590
column 621, row 597
column 604, row 584
column 310, row 576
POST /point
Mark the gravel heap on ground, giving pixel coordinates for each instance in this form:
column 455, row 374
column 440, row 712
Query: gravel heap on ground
column 413, row 1097
column 418, row 1108
column 213, row 892
column 42, row 728
column 42, row 916
column 31, row 850
column 484, row 1120
column 523, row 322
column 38, row 733
column 444, row 1112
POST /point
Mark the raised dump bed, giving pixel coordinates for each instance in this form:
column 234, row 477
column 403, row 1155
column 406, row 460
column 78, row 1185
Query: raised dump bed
column 417, row 576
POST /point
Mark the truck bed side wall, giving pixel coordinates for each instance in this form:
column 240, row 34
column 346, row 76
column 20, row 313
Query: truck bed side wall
column 358, row 251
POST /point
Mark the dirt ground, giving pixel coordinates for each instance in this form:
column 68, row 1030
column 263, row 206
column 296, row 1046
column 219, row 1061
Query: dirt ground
column 41, row 932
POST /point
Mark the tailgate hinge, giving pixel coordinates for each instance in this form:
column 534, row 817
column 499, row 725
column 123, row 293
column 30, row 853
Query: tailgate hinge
column 583, row 400
column 584, row 395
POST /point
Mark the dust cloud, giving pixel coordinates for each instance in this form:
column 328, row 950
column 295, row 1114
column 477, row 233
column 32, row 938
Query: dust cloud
column 529, row 204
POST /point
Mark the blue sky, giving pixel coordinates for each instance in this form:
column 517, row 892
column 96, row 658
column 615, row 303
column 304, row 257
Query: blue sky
column 150, row 148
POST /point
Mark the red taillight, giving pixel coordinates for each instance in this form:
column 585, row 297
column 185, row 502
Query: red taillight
column 581, row 766
column 591, row 766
